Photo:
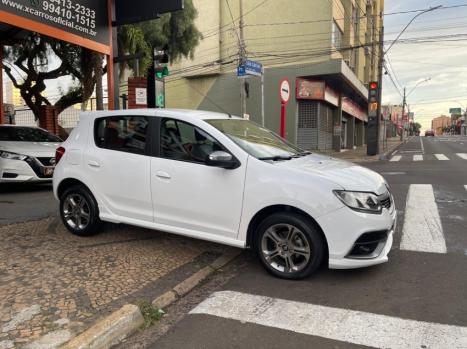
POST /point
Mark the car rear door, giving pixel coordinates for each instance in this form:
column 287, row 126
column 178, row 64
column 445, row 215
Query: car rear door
column 117, row 163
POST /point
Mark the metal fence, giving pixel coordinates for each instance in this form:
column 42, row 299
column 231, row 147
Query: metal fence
column 68, row 119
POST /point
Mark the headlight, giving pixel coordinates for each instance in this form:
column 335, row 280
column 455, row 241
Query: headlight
column 360, row 201
column 12, row 156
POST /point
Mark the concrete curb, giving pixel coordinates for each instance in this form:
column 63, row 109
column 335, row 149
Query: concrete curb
column 109, row 331
column 385, row 156
column 167, row 298
column 125, row 321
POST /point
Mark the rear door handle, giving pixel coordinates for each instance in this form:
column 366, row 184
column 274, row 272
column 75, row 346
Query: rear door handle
column 93, row 163
column 162, row 174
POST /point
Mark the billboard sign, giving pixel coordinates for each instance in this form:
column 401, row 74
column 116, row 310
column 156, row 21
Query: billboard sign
column 128, row 12
column 456, row 111
column 81, row 22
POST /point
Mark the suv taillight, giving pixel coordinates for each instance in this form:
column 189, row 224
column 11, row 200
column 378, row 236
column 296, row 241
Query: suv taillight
column 58, row 154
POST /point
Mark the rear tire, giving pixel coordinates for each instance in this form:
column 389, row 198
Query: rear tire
column 79, row 211
column 289, row 245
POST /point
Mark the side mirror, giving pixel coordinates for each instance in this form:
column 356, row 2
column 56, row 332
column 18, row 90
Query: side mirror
column 222, row 159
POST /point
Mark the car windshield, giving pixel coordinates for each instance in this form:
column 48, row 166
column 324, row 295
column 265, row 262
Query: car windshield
column 26, row 134
column 256, row 140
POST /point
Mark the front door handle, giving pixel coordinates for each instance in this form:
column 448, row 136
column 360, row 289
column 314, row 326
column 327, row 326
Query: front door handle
column 93, row 163
column 163, row 175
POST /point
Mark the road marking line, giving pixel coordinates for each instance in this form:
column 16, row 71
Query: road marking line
column 396, row 158
column 462, row 156
column 422, row 229
column 421, row 142
column 441, row 157
column 465, row 186
column 393, row 173
column 418, row 158
column 351, row 326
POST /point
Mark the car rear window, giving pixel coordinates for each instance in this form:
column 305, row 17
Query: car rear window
column 26, row 134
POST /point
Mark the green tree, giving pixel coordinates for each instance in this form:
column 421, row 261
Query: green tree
column 176, row 31
column 34, row 59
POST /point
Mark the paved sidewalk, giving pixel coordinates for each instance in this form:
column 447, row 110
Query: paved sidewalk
column 54, row 283
column 359, row 154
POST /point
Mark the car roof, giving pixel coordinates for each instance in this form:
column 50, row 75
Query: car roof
column 186, row 113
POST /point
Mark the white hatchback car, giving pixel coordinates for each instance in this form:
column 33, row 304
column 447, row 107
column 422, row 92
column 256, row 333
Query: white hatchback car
column 224, row 179
column 27, row 154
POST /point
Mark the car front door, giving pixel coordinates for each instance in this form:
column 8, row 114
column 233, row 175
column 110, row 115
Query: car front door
column 187, row 193
column 118, row 166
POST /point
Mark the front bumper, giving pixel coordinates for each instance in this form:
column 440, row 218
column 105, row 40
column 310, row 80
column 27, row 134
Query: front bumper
column 343, row 229
column 17, row 171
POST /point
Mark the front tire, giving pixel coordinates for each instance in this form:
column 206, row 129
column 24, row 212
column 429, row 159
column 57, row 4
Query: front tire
column 79, row 211
column 289, row 245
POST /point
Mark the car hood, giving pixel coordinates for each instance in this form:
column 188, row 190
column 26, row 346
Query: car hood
column 346, row 174
column 36, row 149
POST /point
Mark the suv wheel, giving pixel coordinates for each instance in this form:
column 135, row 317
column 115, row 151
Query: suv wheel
column 289, row 246
column 79, row 211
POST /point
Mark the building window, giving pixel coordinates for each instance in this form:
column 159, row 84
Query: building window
column 337, row 35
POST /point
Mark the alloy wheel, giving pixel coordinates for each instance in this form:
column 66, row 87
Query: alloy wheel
column 76, row 211
column 285, row 248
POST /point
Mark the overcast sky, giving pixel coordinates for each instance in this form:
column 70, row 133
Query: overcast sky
column 445, row 62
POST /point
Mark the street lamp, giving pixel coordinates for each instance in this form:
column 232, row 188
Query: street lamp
column 408, row 24
column 390, row 46
column 404, row 102
column 418, row 83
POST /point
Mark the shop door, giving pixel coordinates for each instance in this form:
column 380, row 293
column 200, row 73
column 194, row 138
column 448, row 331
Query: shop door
column 307, row 130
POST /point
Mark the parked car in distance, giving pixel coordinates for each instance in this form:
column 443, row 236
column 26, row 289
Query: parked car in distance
column 220, row 178
column 429, row 133
column 27, row 154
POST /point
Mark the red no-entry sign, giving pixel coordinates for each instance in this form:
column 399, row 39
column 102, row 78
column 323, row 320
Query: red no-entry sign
column 284, row 95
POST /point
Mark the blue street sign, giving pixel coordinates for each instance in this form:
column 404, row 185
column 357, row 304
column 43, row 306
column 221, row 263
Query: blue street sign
column 250, row 68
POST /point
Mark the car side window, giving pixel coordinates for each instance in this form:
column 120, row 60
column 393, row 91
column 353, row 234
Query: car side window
column 122, row 133
column 184, row 142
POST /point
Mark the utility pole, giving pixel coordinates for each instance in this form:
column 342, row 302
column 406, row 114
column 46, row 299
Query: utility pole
column 262, row 97
column 380, row 85
column 242, row 61
column 403, row 112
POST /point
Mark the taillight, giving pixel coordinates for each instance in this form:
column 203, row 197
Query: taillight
column 58, row 154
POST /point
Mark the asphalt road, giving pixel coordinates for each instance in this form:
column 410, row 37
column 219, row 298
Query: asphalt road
column 22, row 202
column 416, row 300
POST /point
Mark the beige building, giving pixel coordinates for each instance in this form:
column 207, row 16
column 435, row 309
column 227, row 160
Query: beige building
column 439, row 123
column 327, row 49
column 12, row 95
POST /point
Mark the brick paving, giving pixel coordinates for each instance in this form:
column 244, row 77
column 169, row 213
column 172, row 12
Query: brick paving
column 51, row 281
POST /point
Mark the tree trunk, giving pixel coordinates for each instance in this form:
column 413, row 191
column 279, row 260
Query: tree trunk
column 98, row 75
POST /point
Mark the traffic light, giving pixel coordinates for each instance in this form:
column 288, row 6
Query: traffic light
column 373, row 119
column 156, row 73
column 373, row 99
column 161, row 61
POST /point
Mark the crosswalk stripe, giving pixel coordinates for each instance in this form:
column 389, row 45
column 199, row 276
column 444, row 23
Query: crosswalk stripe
column 465, row 186
column 441, row 157
column 422, row 230
column 418, row 158
column 396, row 158
column 462, row 156
column 361, row 328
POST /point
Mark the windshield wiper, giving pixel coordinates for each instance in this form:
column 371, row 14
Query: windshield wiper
column 275, row 158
